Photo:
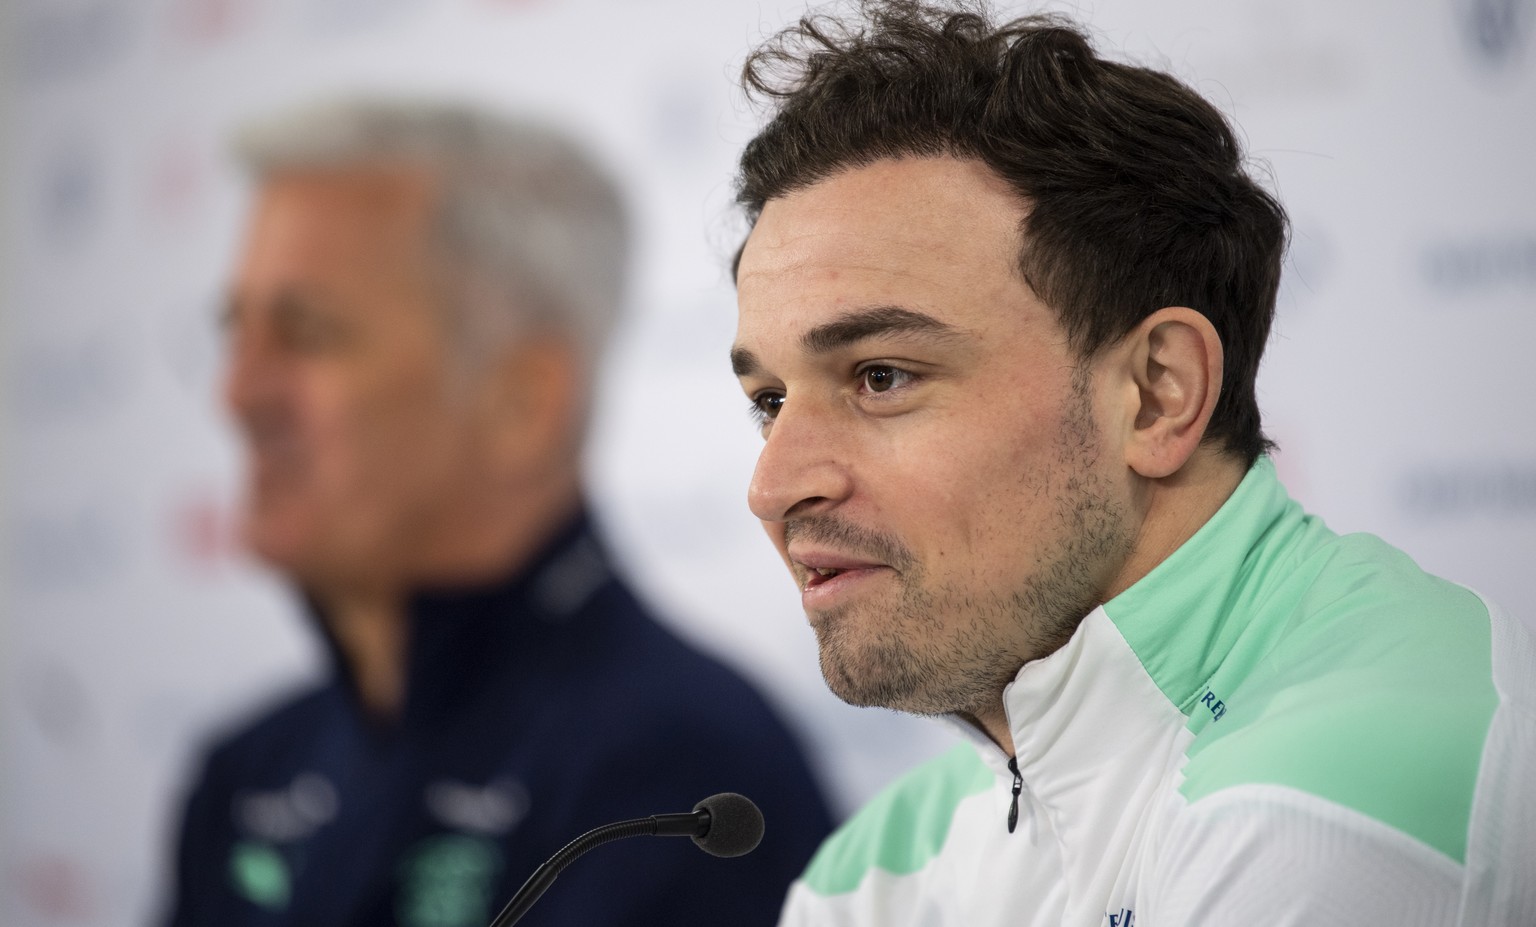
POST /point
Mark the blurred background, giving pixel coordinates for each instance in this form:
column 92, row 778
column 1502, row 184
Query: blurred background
column 1399, row 135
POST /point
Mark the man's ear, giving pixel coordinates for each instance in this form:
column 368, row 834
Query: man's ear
column 1175, row 362
column 530, row 406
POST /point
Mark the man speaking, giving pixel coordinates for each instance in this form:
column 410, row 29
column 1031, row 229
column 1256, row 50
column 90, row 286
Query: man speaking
column 413, row 331
column 1001, row 311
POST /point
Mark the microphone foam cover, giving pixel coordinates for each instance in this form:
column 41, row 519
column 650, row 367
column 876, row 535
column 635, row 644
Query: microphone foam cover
column 735, row 825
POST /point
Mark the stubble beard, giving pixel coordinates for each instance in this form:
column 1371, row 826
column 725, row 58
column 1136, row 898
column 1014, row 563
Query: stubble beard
column 944, row 650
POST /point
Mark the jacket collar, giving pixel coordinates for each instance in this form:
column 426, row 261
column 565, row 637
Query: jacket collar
column 462, row 639
column 1131, row 678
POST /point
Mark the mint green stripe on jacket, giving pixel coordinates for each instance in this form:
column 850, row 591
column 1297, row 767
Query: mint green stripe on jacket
column 1331, row 665
column 903, row 828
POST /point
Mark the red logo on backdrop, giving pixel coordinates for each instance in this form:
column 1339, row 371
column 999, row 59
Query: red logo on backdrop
column 210, row 22
column 205, row 530
column 178, row 181
column 58, row 888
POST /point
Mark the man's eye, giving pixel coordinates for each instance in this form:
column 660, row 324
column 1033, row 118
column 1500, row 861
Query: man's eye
column 311, row 334
column 878, row 378
column 765, row 407
column 308, row 327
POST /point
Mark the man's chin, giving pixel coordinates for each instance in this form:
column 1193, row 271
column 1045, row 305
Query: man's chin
column 871, row 681
column 276, row 544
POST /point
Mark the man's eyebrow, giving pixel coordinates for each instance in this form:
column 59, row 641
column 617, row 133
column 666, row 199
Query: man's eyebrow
column 868, row 323
column 851, row 328
column 743, row 362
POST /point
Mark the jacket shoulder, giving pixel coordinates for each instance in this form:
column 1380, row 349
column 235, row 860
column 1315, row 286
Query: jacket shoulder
column 904, row 827
column 1376, row 694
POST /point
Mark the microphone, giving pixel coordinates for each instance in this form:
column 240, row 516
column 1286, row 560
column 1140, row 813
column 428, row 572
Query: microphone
column 726, row 824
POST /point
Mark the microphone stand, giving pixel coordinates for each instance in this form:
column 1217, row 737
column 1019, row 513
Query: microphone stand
column 687, row 824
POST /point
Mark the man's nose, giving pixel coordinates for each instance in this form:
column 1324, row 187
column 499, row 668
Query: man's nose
column 802, row 467
column 252, row 374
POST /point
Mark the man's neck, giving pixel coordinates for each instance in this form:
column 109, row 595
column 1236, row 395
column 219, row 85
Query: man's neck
column 368, row 615
column 370, row 629
column 1171, row 510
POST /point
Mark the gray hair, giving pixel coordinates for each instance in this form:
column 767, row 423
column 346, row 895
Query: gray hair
column 533, row 234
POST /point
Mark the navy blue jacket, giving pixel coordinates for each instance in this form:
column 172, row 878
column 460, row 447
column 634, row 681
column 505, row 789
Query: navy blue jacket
column 535, row 710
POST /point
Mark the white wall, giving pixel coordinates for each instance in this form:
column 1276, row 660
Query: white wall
column 1395, row 383
column 7, row 315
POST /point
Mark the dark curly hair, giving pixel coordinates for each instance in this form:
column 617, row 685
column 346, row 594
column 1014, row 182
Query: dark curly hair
column 1135, row 185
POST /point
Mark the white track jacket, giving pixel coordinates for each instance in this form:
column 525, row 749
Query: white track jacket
column 1276, row 726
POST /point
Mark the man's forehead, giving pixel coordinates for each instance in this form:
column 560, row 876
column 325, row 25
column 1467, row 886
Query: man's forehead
column 917, row 213
column 338, row 211
column 385, row 183
column 344, row 240
column 919, row 233
column 352, row 207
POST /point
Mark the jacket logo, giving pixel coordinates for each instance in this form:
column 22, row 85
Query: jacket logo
column 287, row 814
column 493, row 810
column 447, row 881
column 259, row 873
column 1217, row 708
column 1126, row 918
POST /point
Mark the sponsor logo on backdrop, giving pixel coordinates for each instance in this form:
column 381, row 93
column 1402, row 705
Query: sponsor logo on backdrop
column 62, row 39
column 1496, row 31
column 1488, row 489
column 1482, row 264
column 177, row 182
column 68, row 381
column 210, row 22
column 54, row 696
column 69, row 194
column 58, row 889
column 205, row 531
column 78, row 548
column 327, row 17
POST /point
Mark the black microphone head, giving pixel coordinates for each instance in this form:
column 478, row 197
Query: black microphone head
column 735, row 825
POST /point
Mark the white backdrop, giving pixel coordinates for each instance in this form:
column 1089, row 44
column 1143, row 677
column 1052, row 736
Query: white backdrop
column 1400, row 135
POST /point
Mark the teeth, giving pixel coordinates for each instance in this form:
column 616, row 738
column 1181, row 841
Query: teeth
column 826, row 572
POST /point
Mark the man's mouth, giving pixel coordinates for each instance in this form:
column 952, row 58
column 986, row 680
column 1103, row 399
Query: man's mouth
column 835, row 563
column 819, row 575
column 823, row 568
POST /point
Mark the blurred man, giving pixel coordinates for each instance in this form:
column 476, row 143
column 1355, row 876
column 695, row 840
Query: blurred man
column 413, row 332
column 1001, row 312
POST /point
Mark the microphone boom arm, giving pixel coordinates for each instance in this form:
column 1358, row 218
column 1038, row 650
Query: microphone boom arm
column 688, row 824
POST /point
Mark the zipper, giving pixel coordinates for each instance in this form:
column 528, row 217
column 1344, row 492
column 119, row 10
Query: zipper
column 1018, row 786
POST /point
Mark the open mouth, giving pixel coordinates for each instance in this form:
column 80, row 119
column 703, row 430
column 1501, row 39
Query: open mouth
column 825, row 573
column 819, row 575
